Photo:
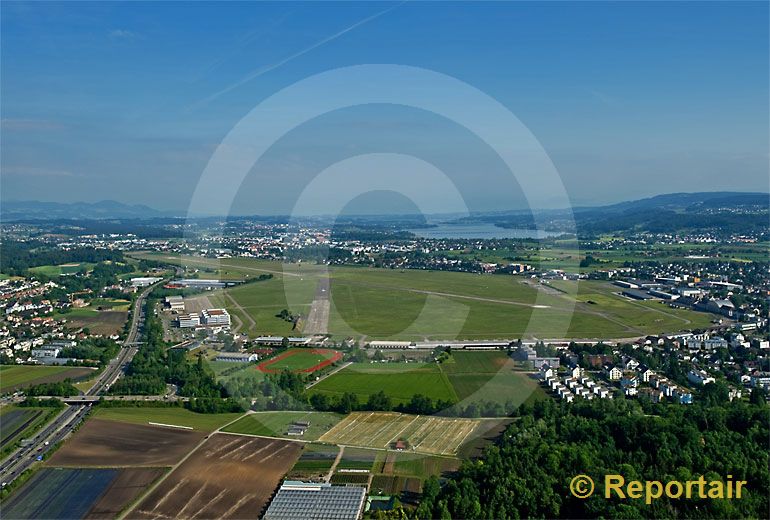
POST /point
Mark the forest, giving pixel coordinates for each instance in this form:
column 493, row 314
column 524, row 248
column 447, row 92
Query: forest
column 527, row 473
column 17, row 257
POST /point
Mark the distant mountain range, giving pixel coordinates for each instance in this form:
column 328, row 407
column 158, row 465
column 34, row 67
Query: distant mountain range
column 662, row 213
column 106, row 209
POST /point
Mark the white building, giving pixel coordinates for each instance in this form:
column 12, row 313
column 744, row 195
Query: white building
column 699, row 377
column 175, row 303
column 237, row 357
column 189, row 320
column 144, row 281
column 45, row 352
column 216, row 317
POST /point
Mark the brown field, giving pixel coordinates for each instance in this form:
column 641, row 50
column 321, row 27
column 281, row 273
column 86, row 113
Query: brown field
column 126, row 487
column 101, row 443
column 105, row 323
column 230, row 476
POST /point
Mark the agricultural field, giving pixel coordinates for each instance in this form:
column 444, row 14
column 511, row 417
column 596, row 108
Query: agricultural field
column 358, row 459
column 315, row 462
column 53, row 271
column 78, row 493
column 229, row 476
column 489, row 376
column 424, row 434
column 399, row 381
column 276, row 424
column 15, row 377
column 18, row 423
column 102, row 443
column 303, row 360
column 122, row 491
column 418, row 465
column 106, row 322
column 395, row 485
column 175, row 416
column 439, row 305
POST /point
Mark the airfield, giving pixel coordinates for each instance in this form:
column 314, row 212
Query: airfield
column 428, row 304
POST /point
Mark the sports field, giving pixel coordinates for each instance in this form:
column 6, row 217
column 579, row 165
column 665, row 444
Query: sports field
column 424, row 434
column 13, row 377
column 305, row 360
column 399, row 381
column 437, row 304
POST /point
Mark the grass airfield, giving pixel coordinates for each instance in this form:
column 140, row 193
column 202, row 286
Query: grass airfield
column 415, row 305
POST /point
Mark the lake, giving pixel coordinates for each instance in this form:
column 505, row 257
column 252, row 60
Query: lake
column 481, row 231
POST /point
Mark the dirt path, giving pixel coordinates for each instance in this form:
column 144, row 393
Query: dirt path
column 334, row 466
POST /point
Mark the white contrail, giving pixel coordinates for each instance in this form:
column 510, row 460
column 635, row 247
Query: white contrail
column 267, row 68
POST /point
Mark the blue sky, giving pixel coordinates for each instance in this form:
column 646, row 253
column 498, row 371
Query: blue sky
column 127, row 101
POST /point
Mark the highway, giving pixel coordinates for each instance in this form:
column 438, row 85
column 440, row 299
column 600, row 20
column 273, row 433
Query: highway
column 71, row 417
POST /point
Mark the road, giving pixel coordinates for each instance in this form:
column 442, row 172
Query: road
column 70, row 418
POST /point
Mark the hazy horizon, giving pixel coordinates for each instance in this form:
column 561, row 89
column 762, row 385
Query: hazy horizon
column 628, row 100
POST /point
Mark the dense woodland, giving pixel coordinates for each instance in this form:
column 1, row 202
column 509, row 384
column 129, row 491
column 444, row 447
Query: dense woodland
column 527, row 473
column 17, row 257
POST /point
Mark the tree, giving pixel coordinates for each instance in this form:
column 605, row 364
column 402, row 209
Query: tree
column 379, row 402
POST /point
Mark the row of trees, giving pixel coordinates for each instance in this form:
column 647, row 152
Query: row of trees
column 61, row 389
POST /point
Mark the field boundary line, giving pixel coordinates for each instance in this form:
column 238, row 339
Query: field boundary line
column 476, row 425
column 302, row 441
column 404, row 428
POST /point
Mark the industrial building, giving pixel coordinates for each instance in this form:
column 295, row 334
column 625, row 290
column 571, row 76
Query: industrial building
column 278, row 341
column 144, row 281
column 175, row 303
column 198, row 283
column 316, row 501
column 237, row 357
column 189, row 320
column 216, row 317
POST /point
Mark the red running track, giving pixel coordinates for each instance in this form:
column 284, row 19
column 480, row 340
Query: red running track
column 336, row 356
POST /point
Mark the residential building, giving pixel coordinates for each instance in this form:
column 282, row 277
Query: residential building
column 699, row 377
